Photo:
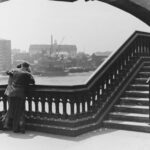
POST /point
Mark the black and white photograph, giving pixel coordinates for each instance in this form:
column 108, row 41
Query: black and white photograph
column 75, row 74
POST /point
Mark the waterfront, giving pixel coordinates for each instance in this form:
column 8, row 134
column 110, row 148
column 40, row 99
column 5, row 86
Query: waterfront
column 71, row 79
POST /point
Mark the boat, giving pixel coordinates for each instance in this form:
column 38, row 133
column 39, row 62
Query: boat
column 78, row 69
column 50, row 72
column 48, row 66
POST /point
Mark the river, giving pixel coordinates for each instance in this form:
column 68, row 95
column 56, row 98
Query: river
column 71, row 79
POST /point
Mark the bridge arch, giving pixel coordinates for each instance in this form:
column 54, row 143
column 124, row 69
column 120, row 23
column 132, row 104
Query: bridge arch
column 138, row 8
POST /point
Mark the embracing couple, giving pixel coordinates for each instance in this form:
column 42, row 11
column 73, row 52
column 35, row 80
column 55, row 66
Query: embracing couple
column 19, row 80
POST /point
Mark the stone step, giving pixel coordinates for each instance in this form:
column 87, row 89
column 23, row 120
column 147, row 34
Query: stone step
column 60, row 130
column 45, row 120
column 141, row 87
column 147, row 63
column 127, row 125
column 134, row 98
column 122, row 116
column 138, row 80
column 132, row 109
column 145, row 74
column 145, row 68
column 137, row 93
column 134, row 101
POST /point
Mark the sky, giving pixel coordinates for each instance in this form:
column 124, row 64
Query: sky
column 92, row 26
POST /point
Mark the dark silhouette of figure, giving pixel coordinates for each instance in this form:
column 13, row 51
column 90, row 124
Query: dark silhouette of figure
column 19, row 80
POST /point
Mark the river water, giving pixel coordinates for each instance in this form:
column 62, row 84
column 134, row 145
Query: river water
column 71, row 79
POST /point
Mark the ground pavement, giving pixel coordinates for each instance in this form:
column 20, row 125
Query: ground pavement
column 98, row 140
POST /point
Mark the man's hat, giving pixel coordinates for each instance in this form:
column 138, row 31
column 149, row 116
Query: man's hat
column 25, row 64
column 18, row 66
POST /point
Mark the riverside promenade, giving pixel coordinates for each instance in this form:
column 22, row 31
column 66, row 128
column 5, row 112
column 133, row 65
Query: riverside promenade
column 104, row 139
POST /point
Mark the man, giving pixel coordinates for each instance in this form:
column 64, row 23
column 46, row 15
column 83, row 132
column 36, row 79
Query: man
column 19, row 80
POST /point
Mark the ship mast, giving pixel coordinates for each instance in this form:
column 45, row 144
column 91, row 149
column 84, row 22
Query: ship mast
column 51, row 46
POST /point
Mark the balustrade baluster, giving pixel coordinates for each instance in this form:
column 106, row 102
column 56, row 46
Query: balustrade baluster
column 94, row 107
column 36, row 106
column 120, row 72
column 43, row 105
column 138, row 47
column 115, row 76
column 87, row 97
column 112, row 78
column 5, row 104
column 109, row 84
column 50, row 106
column 57, row 106
column 64, row 107
column 148, row 47
column 83, row 106
column 104, row 94
column 88, row 106
column 144, row 47
column 127, row 60
column 30, row 105
column 78, row 107
column 135, row 51
column 1, row 104
column 143, row 41
column 141, row 47
column 98, row 96
column 72, row 107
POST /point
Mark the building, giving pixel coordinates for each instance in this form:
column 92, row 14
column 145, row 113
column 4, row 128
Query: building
column 38, row 48
column 5, row 54
column 19, row 57
column 98, row 57
column 15, row 51
column 54, row 49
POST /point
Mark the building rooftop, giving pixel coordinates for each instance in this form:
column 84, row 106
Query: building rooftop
column 1, row 39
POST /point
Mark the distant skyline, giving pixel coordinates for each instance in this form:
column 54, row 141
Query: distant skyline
column 91, row 26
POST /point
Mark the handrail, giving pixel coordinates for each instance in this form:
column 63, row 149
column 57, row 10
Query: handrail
column 106, row 64
column 99, row 71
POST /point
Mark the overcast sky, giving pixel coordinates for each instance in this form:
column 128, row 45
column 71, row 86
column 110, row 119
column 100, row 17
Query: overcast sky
column 92, row 26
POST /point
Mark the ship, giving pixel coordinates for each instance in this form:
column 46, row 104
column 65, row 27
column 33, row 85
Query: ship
column 51, row 62
column 50, row 66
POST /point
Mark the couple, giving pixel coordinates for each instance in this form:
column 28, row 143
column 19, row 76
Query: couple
column 18, row 82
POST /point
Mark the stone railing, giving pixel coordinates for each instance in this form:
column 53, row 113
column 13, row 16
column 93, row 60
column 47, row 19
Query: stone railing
column 72, row 110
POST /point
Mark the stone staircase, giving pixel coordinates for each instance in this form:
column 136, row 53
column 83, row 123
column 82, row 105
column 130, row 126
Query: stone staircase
column 131, row 112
